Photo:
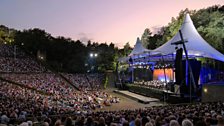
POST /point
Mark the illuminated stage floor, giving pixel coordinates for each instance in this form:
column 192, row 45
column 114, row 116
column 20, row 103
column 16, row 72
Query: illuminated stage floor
column 140, row 98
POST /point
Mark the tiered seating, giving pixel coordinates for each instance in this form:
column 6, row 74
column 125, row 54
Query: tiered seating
column 47, row 82
column 62, row 98
column 86, row 81
column 19, row 65
column 11, row 51
column 17, row 103
column 201, row 114
column 65, row 105
column 14, row 60
column 62, row 91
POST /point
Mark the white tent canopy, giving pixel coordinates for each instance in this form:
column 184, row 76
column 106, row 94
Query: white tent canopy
column 138, row 48
column 195, row 45
column 138, row 52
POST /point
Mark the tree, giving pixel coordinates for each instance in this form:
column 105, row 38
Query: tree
column 33, row 40
column 6, row 35
column 67, row 55
column 153, row 40
column 145, row 37
column 127, row 49
column 211, row 28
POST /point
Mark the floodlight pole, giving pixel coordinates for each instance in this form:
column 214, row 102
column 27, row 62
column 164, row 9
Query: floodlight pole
column 188, row 65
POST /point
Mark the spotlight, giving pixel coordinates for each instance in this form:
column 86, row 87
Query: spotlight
column 205, row 90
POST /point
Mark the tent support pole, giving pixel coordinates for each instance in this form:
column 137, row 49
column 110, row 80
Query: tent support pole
column 189, row 66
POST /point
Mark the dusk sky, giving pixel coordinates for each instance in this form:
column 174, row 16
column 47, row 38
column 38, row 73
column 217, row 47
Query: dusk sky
column 117, row 21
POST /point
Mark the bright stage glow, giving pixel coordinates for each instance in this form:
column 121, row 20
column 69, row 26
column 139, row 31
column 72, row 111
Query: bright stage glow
column 158, row 74
column 163, row 79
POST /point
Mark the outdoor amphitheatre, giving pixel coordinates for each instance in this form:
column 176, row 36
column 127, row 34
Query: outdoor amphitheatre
column 56, row 81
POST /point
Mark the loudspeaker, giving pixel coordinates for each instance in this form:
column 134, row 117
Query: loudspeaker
column 180, row 72
column 178, row 67
column 196, row 68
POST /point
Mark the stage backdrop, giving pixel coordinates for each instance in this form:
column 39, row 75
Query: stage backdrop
column 158, row 74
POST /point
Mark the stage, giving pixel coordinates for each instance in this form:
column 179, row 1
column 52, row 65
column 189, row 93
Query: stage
column 137, row 97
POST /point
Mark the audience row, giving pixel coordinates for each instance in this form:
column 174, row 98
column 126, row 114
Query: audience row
column 86, row 81
column 11, row 51
column 152, row 84
column 62, row 96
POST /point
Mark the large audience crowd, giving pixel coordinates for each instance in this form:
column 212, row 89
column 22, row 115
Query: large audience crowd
column 30, row 109
column 47, row 82
column 12, row 59
column 53, row 101
column 61, row 91
column 9, row 64
column 11, row 51
column 51, row 94
column 84, row 81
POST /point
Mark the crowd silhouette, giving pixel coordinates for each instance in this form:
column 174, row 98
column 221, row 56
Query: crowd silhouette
column 54, row 101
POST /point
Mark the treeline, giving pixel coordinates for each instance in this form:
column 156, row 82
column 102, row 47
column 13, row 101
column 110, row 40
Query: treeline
column 64, row 54
column 67, row 55
column 209, row 23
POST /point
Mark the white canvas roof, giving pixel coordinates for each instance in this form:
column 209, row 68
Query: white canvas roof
column 138, row 48
column 195, row 45
column 138, row 52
